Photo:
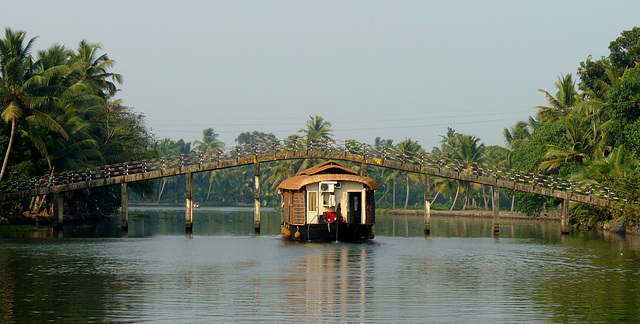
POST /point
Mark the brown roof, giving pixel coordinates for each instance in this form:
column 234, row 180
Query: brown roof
column 327, row 167
column 328, row 171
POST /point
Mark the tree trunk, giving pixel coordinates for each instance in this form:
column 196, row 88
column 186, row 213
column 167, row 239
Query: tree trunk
column 209, row 192
column 466, row 199
column 6, row 155
column 513, row 201
column 484, row 196
column 435, row 197
column 394, row 195
column 406, row 200
column 161, row 190
column 456, row 197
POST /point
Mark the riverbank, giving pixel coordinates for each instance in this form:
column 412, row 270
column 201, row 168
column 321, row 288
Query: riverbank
column 608, row 226
column 470, row 213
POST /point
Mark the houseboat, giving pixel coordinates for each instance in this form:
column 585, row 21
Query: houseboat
column 328, row 202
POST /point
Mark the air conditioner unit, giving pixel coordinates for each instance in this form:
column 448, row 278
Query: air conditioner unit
column 327, row 186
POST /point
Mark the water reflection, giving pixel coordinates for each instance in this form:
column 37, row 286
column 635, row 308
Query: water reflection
column 224, row 273
column 148, row 222
column 332, row 281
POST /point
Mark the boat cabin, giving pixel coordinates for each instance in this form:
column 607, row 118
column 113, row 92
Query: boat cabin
column 318, row 199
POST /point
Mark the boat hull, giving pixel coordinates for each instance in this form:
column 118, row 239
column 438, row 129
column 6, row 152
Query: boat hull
column 334, row 231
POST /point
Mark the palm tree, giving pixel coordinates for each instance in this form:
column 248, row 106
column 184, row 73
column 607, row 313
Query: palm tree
column 392, row 177
column 24, row 95
column 467, row 149
column 565, row 99
column 383, row 143
column 584, row 137
column 411, row 147
column 617, row 165
column 515, row 136
column 317, row 129
column 209, row 145
column 166, row 147
column 93, row 70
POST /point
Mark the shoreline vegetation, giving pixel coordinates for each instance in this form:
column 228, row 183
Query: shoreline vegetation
column 28, row 223
column 61, row 113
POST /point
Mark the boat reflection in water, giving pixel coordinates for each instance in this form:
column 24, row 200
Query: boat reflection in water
column 331, row 282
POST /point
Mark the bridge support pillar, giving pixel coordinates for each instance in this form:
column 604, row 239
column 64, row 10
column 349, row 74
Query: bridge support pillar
column 125, row 206
column 496, row 210
column 189, row 202
column 427, row 205
column 256, row 197
column 565, row 217
column 58, row 209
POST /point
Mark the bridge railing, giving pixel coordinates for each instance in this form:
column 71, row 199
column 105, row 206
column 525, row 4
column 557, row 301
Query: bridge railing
column 301, row 145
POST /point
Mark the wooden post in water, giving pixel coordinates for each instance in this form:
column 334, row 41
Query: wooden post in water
column 427, row 205
column 189, row 202
column 564, row 228
column 256, row 197
column 125, row 206
column 58, row 208
column 496, row 210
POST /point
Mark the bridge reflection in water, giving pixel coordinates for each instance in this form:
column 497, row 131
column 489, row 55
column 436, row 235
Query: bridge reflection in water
column 368, row 155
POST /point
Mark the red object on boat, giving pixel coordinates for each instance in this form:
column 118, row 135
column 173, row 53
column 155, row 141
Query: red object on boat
column 331, row 217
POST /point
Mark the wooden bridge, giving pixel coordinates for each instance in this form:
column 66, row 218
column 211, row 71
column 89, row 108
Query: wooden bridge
column 422, row 163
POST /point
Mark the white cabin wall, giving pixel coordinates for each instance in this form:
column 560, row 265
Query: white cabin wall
column 340, row 200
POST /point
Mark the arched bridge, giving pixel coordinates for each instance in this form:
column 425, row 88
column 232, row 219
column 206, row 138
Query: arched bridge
column 423, row 163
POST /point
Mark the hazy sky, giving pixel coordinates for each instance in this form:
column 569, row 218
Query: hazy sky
column 394, row 69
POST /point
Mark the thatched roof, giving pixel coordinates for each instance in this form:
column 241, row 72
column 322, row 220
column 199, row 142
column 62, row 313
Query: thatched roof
column 328, row 171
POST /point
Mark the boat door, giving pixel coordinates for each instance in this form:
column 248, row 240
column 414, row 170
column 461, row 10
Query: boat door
column 354, row 207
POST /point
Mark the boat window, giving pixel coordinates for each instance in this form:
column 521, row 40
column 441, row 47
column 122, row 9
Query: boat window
column 328, row 199
column 312, row 200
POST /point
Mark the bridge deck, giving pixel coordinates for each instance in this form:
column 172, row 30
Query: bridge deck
column 423, row 163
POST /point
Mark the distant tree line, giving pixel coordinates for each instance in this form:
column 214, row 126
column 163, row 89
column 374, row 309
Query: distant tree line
column 61, row 113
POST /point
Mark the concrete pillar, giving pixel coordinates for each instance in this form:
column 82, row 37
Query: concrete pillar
column 58, row 208
column 565, row 217
column 125, row 206
column 427, row 205
column 189, row 202
column 256, row 197
column 496, row 210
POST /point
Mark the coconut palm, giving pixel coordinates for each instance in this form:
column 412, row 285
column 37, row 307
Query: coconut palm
column 93, row 69
column 164, row 148
column 55, row 55
column 584, row 137
column 317, row 129
column 410, row 147
column 564, row 101
column 467, row 149
column 24, row 95
column 617, row 165
column 209, row 145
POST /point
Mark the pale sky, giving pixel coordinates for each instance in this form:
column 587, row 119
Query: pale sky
column 394, row 69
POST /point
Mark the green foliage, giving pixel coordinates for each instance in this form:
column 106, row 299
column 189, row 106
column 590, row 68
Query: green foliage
column 255, row 137
column 595, row 77
column 529, row 155
column 625, row 50
column 562, row 103
column 624, row 110
column 60, row 114
column 317, row 129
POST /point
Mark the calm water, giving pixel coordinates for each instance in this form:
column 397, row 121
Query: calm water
column 226, row 274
